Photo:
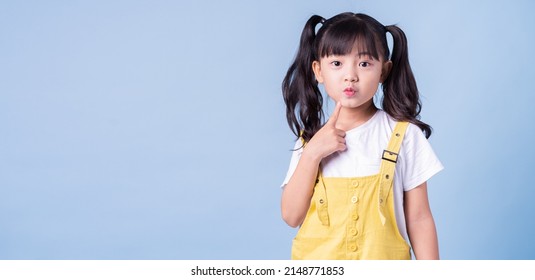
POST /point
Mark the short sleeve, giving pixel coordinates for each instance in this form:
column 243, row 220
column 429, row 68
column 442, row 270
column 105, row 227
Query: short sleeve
column 418, row 161
column 296, row 155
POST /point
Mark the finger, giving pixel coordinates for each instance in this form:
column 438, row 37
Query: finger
column 340, row 133
column 334, row 116
column 341, row 147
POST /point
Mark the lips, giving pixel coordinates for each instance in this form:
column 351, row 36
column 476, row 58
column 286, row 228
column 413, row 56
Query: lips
column 349, row 92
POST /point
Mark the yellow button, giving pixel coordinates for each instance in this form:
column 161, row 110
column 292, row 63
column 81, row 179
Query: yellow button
column 355, row 217
column 353, row 248
column 353, row 231
column 354, row 199
column 355, row 183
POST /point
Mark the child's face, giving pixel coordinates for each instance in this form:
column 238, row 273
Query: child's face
column 351, row 79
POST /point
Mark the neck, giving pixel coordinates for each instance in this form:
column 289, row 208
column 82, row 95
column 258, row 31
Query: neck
column 353, row 117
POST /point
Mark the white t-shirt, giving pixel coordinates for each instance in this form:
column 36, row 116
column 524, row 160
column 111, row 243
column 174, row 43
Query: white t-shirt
column 416, row 163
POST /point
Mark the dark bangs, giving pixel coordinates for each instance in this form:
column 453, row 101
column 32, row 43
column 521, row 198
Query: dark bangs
column 339, row 38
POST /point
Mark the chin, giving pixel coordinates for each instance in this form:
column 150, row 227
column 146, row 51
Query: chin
column 350, row 103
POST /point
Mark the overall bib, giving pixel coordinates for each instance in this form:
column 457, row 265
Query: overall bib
column 353, row 218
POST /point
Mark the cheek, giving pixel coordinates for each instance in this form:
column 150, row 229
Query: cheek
column 370, row 87
column 331, row 92
column 374, row 80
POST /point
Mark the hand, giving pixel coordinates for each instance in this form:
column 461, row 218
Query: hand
column 328, row 139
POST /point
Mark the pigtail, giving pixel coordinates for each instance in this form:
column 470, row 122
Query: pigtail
column 300, row 89
column 401, row 99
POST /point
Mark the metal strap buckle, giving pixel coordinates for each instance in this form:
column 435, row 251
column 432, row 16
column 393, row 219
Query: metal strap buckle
column 390, row 156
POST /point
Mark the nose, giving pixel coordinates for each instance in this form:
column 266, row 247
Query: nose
column 351, row 75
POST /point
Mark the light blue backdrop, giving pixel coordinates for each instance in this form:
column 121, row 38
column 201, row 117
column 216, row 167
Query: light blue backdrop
column 156, row 129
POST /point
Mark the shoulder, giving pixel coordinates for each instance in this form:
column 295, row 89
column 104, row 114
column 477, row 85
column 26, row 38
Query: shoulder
column 413, row 132
column 417, row 160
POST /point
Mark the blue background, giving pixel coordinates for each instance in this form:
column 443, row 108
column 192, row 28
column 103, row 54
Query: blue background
column 156, row 129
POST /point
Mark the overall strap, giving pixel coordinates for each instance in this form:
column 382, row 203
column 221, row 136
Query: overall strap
column 388, row 166
column 321, row 196
column 321, row 199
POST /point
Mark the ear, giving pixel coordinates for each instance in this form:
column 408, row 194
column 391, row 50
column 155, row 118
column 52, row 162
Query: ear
column 316, row 68
column 387, row 66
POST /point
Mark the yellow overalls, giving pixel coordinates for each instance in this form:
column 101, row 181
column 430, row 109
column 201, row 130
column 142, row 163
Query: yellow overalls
column 353, row 218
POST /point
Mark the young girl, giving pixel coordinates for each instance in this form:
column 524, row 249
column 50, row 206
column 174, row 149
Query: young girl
column 356, row 185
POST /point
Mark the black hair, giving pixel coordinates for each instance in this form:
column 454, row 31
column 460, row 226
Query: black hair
column 337, row 36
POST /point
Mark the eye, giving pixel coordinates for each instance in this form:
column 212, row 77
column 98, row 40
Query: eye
column 364, row 64
column 336, row 63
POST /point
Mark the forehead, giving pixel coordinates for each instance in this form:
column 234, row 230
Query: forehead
column 348, row 37
column 357, row 49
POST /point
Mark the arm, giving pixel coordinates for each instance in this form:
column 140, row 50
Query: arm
column 420, row 224
column 297, row 193
column 296, row 196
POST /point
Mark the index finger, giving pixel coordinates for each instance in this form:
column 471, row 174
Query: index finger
column 334, row 116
